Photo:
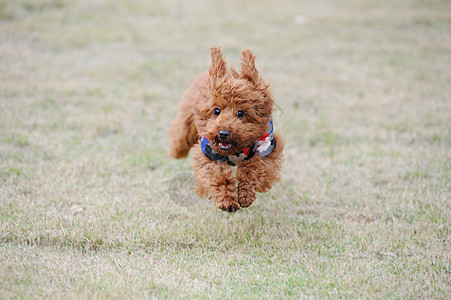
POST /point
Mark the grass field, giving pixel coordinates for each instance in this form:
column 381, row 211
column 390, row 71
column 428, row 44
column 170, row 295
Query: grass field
column 88, row 90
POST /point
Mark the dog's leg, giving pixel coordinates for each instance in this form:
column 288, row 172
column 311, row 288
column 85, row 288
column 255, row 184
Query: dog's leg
column 183, row 131
column 259, row 174
column 215, row 180
column 247, row 176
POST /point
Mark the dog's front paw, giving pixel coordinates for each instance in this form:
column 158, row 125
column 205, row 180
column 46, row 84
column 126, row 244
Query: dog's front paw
column 228, row 204
column 246, row 196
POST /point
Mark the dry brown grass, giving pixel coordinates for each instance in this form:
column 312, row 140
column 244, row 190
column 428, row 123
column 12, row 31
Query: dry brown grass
column 89, row 88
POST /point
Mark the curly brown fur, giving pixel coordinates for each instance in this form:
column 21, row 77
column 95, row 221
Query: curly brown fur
column 227, row 91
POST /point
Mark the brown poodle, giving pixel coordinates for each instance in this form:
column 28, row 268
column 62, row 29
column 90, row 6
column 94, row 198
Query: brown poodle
column 226, row 116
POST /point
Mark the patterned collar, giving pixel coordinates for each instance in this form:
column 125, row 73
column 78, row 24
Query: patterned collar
column 263, row 147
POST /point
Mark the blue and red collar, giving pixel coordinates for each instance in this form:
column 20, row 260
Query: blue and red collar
column 264, row 146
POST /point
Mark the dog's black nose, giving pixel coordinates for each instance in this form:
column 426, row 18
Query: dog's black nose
column 224, row 134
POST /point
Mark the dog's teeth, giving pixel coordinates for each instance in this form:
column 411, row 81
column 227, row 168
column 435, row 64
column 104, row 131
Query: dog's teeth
column 225, row 146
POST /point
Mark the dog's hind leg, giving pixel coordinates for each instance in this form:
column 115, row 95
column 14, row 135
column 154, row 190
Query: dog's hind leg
column 183, row 131
column 183, row 134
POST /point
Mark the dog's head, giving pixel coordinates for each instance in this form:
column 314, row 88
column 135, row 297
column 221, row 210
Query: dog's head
column 237, row 110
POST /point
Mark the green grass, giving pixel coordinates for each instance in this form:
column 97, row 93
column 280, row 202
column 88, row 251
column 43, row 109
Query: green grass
column 88, row 90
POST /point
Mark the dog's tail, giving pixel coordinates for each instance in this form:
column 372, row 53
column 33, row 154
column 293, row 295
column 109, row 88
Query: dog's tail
column 183, row 132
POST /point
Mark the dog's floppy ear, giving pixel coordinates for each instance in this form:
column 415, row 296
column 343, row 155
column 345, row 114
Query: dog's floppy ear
column 248, row 70
column 218, row 66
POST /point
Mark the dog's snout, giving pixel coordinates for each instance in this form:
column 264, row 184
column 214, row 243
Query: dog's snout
column 224, row 134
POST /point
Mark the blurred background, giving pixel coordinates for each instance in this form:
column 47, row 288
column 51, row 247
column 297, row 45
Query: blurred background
column 103, row 79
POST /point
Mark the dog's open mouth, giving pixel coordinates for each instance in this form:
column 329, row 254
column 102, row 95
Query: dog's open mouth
column 224, row 146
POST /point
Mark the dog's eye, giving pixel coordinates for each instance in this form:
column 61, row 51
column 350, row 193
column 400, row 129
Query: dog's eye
column 240, row 114
column 217, row 111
